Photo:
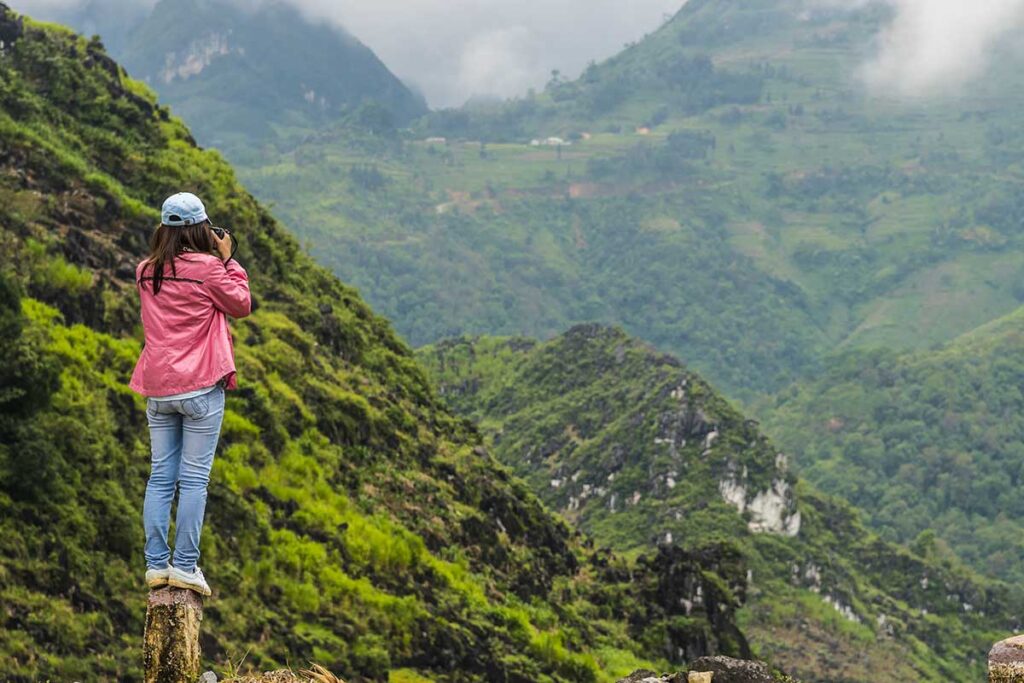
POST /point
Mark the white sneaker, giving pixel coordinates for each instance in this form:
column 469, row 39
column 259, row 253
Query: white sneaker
column 157, row 578
column 194, row 581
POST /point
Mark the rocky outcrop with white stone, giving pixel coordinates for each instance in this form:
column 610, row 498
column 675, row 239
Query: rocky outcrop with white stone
column 771, row 510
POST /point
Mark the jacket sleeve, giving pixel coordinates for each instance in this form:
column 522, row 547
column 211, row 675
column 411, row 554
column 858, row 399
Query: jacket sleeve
column 228, row 288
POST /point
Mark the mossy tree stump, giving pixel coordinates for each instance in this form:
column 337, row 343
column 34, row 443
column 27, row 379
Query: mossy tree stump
column 1006, row 661
column 171, row 642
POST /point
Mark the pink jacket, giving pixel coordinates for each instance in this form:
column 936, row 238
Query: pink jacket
column 188, row 343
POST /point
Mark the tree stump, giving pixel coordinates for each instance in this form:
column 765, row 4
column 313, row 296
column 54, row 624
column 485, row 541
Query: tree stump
column 1006, row 661
column 171, row 642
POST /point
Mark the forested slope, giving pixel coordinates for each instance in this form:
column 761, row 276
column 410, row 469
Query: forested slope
column 641, row 452
column 352, row 520
column 727, row 188
column 928, row 442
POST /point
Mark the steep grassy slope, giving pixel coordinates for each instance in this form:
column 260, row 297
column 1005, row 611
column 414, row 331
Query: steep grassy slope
column 732, row 193
column 352, row 519
column 928, row 442
column 641, row 452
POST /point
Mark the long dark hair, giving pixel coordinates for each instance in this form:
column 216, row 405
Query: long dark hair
column 169, row 242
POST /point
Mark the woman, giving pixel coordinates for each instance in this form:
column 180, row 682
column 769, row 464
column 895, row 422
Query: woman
column 189, row 284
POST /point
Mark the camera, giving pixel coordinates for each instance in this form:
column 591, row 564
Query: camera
column 220, row 233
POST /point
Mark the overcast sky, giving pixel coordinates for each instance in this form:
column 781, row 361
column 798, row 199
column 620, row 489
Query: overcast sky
column 453, row 49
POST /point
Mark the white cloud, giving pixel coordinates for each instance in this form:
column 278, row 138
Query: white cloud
column 453, row 49
column 936, row 46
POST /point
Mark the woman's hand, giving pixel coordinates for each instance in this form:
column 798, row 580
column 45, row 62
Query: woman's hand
column 223, row 245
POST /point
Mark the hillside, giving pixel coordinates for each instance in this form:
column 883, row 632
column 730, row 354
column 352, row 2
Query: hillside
column 641, row 452
column 246, row 75
column 353, row 521
column 925, row 442
column 726, row 189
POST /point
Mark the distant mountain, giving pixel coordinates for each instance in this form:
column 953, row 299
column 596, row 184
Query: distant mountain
column 726, row 189
column 244, row 73
column 113, row 20
column 227, row 68
column 926, row 442
column 640, row 452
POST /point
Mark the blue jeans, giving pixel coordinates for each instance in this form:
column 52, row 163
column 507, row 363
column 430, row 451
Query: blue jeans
column 184, row 437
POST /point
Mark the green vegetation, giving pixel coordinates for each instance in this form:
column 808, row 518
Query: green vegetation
column 248, row 76
column 353, row 520
column 731, row 194
column 537, row 261
column 928, row 444
column 641, row 452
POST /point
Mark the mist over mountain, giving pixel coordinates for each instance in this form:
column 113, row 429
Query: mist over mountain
column 449, row 50
column 246, row 73
column 934, row 47
column 455, row 50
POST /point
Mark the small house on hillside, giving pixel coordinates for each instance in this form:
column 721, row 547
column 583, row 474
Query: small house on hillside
column 550, row 142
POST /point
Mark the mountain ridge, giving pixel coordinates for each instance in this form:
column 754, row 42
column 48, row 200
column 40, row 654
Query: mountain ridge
column 640, row 452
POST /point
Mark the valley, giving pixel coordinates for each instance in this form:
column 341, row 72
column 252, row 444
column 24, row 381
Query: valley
column 752, row 232
column 717, row 351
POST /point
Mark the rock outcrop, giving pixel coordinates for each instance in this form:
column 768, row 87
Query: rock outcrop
column 728, row 670
column 715, row 670
column 648, row 676
column 1006, row 661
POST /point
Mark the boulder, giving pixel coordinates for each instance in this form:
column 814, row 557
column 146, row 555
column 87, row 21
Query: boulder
column 729, row 670
column 648, row 676
column 1006, row 661
column 720, row 669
